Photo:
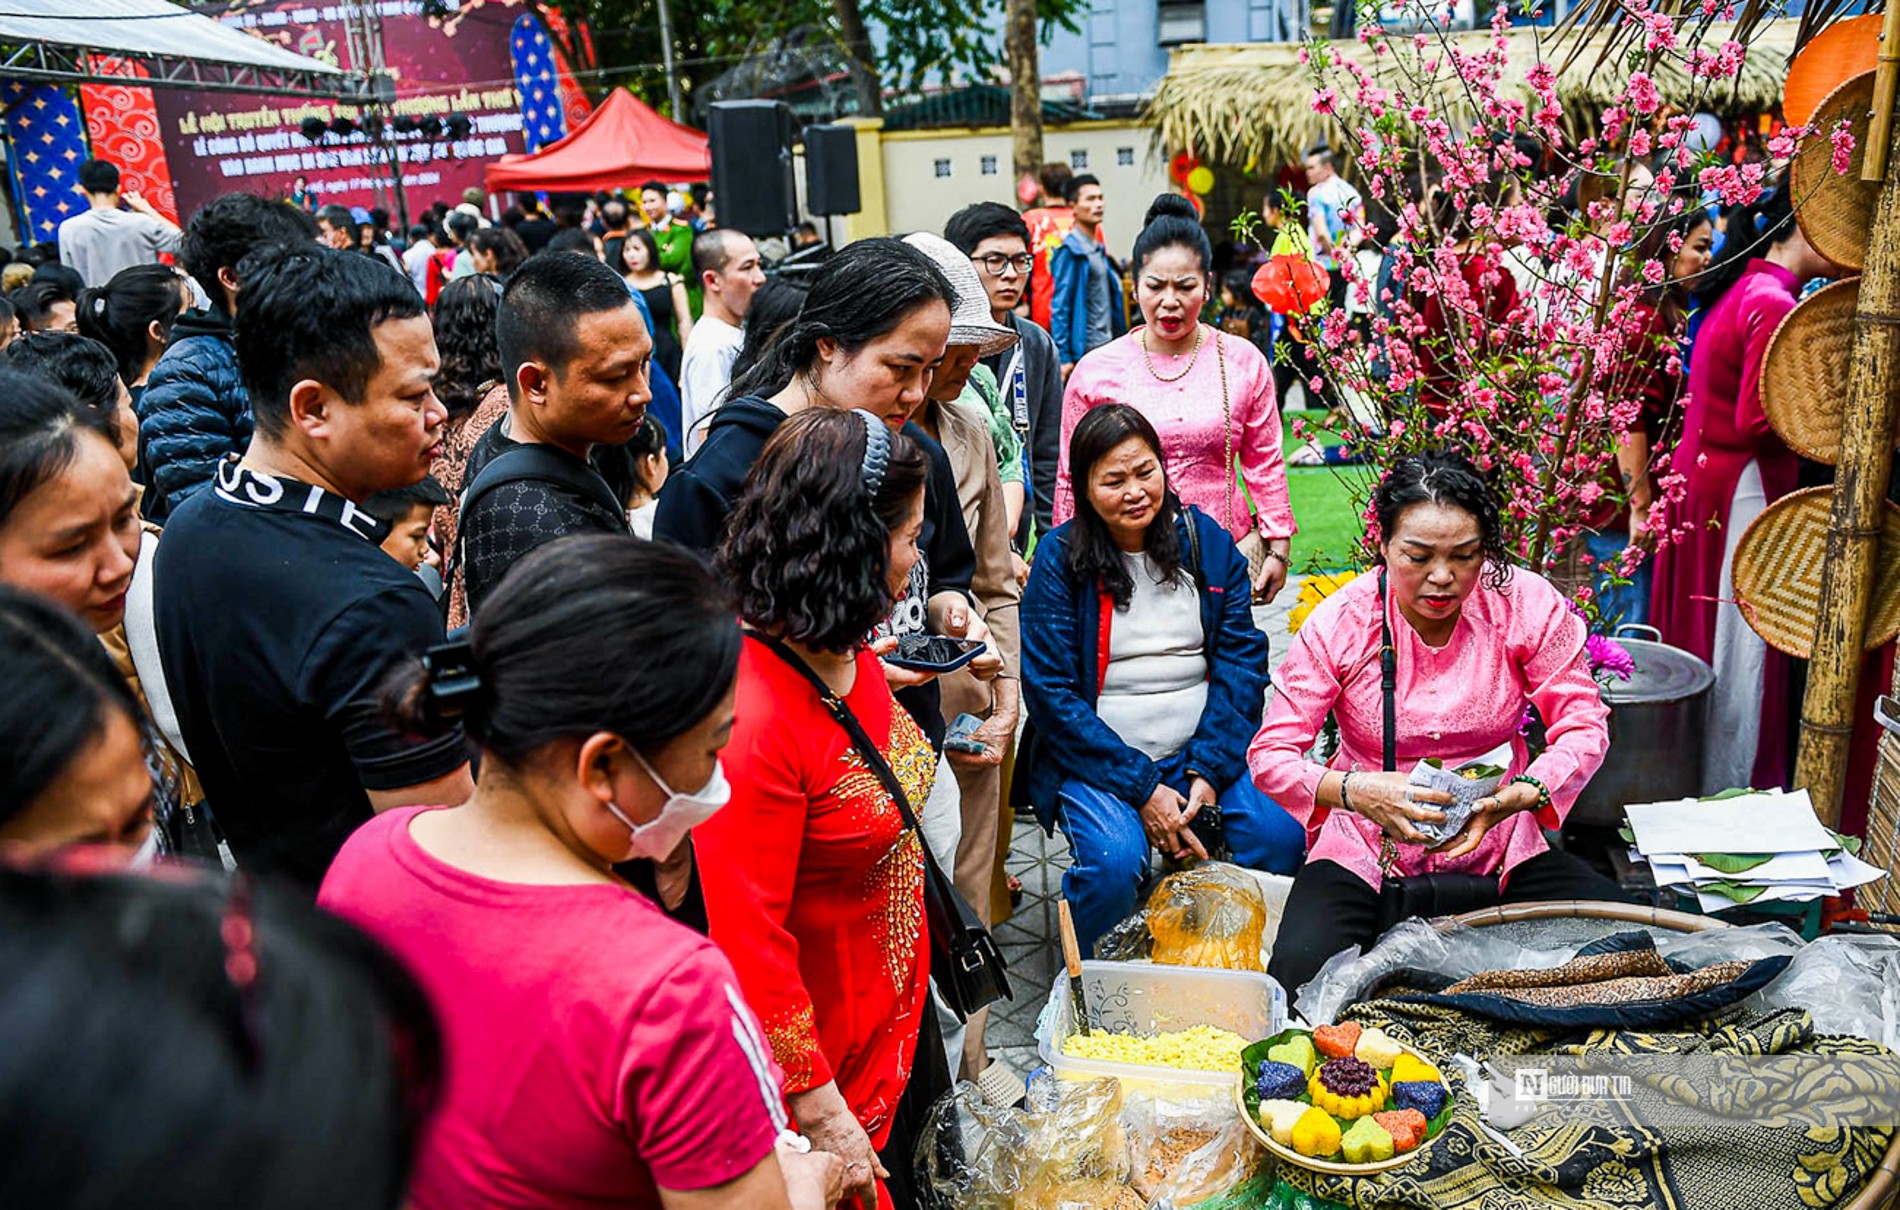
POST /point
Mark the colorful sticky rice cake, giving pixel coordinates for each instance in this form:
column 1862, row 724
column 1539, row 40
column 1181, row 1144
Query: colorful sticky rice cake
column 1366, row 1143
column 1336, row 1041
column 1409, row 1067
column 1378, row 1049
column 1279, row 1081
column 1297, row 1050
column 1428, row 1097
column 1280, row 1117
column 1406, row 1126
column 1346, row 1088
column 1316, row 1134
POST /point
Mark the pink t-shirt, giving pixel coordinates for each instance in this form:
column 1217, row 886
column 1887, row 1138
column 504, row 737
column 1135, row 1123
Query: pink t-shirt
column 595, row 1049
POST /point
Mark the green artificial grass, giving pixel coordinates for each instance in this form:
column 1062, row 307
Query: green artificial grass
column 1329, row 526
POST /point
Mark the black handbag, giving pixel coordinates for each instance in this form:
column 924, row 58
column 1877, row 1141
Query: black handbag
column 969, row 969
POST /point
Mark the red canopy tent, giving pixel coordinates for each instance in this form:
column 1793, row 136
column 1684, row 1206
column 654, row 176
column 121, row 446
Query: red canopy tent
column 620, row 145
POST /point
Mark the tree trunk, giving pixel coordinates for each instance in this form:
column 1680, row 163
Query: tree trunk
column 1025, row 84
column 857, row 45
column 1860, row 489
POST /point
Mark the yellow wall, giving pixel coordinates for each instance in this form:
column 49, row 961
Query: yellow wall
column 901, row 190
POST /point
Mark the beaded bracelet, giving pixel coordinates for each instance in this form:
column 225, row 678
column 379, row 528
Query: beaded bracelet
column 1345, row 799
column 1543, row 791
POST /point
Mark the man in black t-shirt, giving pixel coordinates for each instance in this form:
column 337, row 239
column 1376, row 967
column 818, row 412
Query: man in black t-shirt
column 575, row 355
column 278, row 614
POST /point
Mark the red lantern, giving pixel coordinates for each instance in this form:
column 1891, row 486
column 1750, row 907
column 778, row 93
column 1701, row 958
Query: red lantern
column 1179, row 167
column 1291, row 285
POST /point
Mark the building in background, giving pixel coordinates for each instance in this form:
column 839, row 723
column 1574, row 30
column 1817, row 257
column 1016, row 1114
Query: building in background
column 1121, row 50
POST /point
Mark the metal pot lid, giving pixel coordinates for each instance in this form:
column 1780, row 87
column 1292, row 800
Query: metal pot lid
column 1663, row 674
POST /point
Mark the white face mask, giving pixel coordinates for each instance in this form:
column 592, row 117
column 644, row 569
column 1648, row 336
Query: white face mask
column 657, row 838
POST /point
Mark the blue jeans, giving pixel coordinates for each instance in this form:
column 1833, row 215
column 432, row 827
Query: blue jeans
column 1629, row 603
column 1110, row 855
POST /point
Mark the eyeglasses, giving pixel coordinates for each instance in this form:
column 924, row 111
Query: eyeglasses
column 996, row 262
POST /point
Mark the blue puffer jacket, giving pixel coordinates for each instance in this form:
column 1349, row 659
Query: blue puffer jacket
column 195, row 409
column 1061, row 624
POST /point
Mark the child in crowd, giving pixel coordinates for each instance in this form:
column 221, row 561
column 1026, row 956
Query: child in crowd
column 408, row 512
column 647, row 449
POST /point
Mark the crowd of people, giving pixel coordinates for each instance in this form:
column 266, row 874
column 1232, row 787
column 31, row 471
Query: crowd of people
column 519, row 622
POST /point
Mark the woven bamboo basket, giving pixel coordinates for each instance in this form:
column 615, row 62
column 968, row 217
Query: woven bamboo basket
column 1843, row 50
column 1883, row 825
column 1804, row 373
column 1881, row 1188
column 1836, row 208
column 1777, row 573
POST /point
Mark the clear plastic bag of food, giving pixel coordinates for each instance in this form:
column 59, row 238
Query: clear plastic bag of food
column 1211, row 915
column 1068, row 1152
column 1194, row 1154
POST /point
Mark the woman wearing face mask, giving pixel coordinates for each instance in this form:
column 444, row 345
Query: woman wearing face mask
column 1209, row 395
column 1474, row 642
column 618, row 1034
column 76, row 770
column 814, row 884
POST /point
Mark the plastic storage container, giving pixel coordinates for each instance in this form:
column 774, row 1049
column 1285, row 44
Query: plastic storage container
column 1143, row 999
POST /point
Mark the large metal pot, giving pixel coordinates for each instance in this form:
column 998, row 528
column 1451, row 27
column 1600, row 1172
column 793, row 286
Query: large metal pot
column 1659, row 721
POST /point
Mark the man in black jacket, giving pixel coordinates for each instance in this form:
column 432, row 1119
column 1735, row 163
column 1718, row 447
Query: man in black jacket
column 996, row 239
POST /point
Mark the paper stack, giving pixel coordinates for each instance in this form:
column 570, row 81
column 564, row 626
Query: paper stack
column 1754, row 847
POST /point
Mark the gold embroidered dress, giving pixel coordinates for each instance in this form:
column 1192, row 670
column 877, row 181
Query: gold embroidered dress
column 814, row 887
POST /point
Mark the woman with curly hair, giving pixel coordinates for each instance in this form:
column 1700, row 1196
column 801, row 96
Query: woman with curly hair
column 813, row 882
column 1468, row 644
column 469, row 384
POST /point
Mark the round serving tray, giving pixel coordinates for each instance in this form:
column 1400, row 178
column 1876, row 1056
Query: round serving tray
column 1332, row 1167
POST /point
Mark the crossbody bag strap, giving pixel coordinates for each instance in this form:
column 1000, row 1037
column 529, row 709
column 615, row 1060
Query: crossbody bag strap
column 1388, row 685
column 841, row 713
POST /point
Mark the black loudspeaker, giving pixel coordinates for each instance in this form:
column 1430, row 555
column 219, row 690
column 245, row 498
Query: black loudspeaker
column 753, row 187
column 831, row 170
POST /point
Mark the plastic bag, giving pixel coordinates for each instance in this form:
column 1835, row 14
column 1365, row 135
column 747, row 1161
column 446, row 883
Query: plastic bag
column 1134, row 939
column 1457, row 953
column 1211, row 915
column 1848, row 982
column 1069, row 1152
column 1194, row 1154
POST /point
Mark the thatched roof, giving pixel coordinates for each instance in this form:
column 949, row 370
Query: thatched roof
column 1238, row 104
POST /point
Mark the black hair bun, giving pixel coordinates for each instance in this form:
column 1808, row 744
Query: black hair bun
column 1170, row 205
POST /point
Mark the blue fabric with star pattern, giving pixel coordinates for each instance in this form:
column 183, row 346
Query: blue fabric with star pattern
column 49, row 144
column 543, row 119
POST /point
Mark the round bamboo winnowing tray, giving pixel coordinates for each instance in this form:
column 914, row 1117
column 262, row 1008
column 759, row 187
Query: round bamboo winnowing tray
column 1836, row 208
column 1845, row 48
column 1777, row 573
column 1804, row 375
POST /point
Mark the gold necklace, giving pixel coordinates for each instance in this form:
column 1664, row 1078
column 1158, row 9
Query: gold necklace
column 1200, row 339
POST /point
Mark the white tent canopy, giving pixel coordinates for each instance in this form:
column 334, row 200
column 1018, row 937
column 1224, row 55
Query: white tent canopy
column 50, row 40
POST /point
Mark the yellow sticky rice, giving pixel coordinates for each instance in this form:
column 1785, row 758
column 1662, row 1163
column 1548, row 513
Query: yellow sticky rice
column 1201, row 1048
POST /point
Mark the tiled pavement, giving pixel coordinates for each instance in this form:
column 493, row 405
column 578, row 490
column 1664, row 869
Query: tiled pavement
column 1028, row 938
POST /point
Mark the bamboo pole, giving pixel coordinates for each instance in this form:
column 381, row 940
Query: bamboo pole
column 1886, row 69
column 1860, row 485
